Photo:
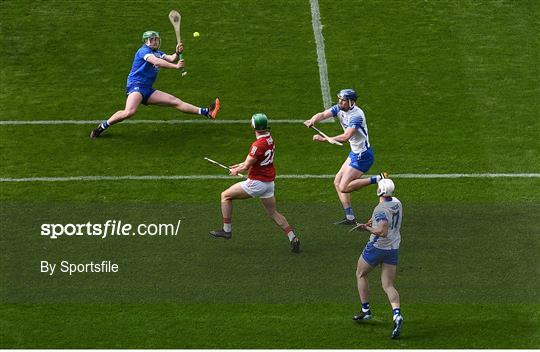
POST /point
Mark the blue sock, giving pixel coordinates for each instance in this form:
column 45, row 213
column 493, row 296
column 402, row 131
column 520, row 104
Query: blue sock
column 349, row 213
column 365, row 307
column 203, row 111
column 397, row 311
column 105, row 125
column 373, row 180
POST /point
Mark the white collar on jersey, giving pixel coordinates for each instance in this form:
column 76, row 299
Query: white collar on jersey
column 263, row 135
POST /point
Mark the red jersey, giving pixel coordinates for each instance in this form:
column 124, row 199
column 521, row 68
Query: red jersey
column 263, row 150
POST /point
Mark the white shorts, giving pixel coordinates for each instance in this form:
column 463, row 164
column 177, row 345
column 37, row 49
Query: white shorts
column 258, row 189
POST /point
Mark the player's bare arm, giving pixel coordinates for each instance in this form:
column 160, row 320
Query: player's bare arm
column 174, row 57
column 345, row 136
column 318, row 117
column 238, row 168
column 156, row 61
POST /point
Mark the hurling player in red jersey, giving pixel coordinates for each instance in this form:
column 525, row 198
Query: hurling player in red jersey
column 259, row 184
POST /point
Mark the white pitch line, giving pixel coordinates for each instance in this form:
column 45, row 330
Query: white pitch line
column 224, row 177
column 483, row 175
column 321, row 57
column 135, row 121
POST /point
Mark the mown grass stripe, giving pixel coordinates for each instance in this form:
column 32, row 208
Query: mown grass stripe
column 219, row 177
column 135, row 121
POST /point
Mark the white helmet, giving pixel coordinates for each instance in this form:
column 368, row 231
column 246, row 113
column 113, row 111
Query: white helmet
column 386, row 187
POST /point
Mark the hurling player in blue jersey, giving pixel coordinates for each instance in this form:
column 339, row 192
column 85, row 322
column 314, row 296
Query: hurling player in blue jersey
column 381, row 250
column 355, row 131
column 146, row 64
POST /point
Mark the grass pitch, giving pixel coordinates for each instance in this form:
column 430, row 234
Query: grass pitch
column 447, row 88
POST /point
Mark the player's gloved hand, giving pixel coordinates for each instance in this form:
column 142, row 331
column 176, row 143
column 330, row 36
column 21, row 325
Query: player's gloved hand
column 308, row 123
column 180, row 48
column 318, row 138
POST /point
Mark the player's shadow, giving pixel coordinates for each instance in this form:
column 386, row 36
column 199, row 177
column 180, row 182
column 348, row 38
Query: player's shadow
column 382, row 329
column 436, row 335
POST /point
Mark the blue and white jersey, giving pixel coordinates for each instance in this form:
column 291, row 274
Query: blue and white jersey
column 354, row 118
column 390, row 211
column 143, row 72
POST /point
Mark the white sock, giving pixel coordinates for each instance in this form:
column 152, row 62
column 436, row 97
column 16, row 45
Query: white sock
column 291, row 236
column 227, row 227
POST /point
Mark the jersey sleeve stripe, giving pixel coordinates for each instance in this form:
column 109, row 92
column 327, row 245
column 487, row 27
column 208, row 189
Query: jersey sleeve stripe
column 356, row 120
column 362, row 130
column 334, row 110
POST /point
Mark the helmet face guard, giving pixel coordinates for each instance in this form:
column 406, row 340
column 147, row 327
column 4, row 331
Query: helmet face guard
column 385, row 187
column 259, row 122
column 148, row 36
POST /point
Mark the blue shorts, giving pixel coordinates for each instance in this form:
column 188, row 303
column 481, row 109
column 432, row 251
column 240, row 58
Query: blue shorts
column 375, row 256
column 145, row 90
column 364, row 162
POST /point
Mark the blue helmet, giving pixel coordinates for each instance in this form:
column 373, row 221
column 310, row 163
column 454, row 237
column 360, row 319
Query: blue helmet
column 347, row 94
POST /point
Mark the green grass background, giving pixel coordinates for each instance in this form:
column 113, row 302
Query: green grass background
column 447, row 87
